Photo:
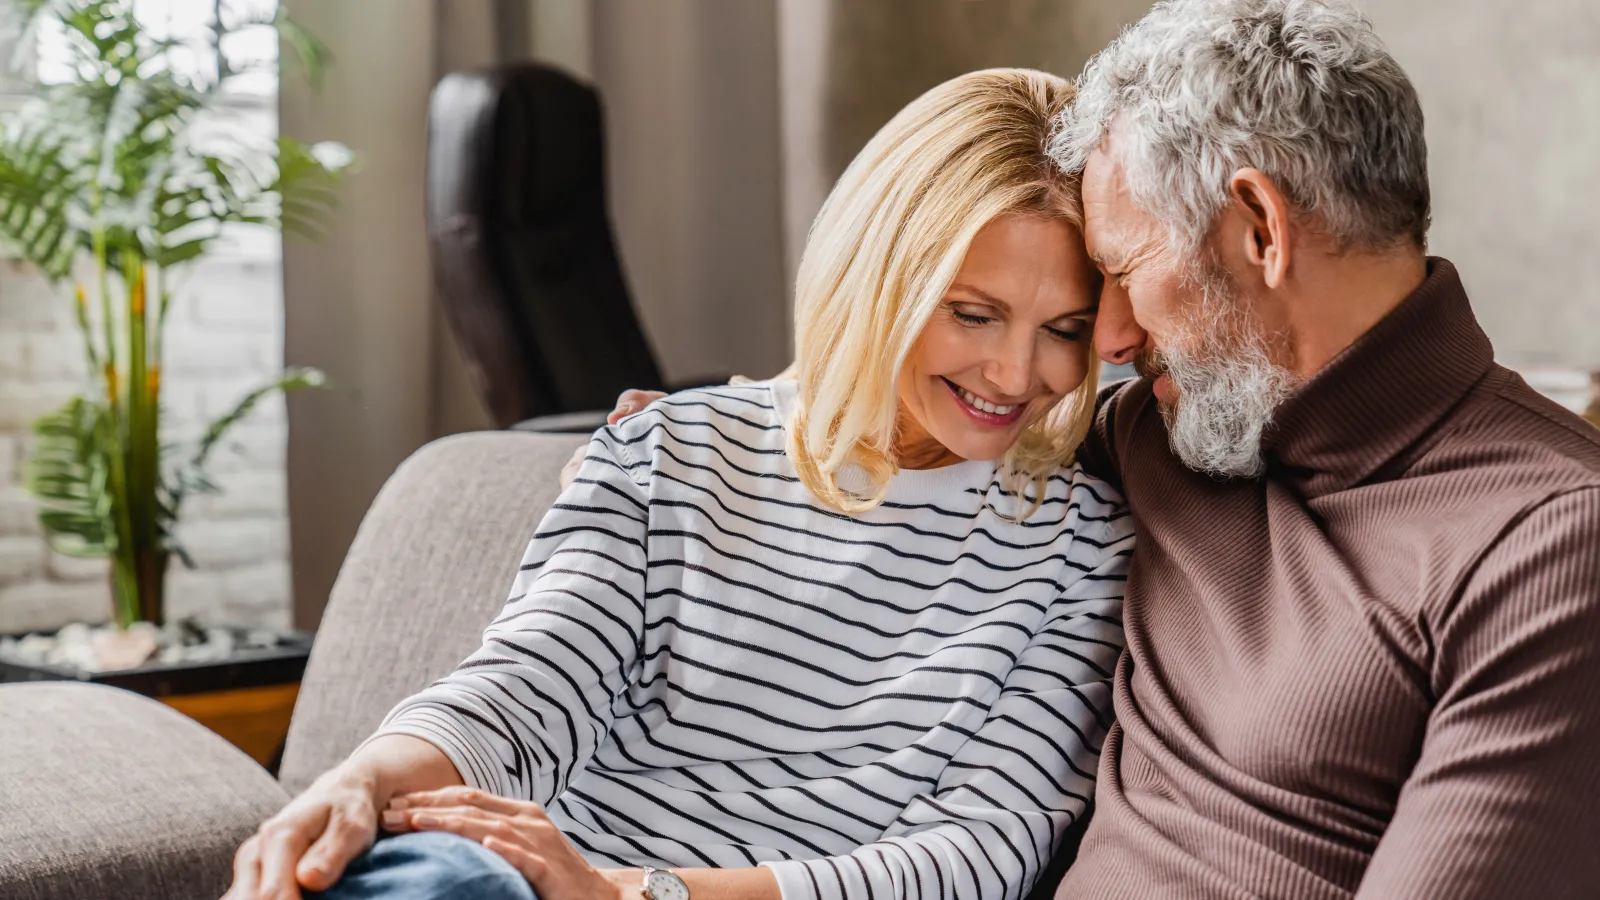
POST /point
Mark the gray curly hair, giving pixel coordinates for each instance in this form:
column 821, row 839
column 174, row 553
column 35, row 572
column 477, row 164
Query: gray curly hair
column 1302, row 90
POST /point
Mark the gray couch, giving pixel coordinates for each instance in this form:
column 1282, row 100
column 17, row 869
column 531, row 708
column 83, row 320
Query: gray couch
column 106, row 795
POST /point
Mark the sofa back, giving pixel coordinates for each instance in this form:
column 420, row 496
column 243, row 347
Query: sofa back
column 430, row 567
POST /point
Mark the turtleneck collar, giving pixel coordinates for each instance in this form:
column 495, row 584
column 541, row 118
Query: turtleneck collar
column 1382, row 393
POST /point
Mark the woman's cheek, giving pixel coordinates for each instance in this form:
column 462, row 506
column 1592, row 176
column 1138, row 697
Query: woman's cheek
column 1063, row 367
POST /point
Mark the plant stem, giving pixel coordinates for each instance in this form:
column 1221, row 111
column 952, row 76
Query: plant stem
column 143, row 448
column 124, row 579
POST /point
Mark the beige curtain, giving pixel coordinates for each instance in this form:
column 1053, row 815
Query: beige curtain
column 359, row 304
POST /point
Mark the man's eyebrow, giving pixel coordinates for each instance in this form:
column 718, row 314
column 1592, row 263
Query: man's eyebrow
column 981, row 295
column 1106, row 263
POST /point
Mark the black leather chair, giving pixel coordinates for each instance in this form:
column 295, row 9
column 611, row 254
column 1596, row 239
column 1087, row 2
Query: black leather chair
column 522, row 248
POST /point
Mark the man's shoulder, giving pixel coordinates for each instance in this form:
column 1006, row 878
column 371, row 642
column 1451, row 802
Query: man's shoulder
column 1514, row 440
column 1118, row 408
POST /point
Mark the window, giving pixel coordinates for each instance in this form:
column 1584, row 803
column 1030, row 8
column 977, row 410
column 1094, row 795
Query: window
column 250, row 47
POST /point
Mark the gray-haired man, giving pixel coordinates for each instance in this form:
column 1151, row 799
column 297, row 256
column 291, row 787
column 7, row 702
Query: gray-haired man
column 1363, row 620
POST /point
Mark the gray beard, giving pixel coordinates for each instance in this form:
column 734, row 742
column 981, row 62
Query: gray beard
column 1229, row 386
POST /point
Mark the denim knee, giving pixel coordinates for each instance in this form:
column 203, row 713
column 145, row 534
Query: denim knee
column 429, row 865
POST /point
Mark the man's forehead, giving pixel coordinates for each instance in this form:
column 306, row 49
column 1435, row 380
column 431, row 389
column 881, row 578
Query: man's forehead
column 1105, row 201
column 1115, row 228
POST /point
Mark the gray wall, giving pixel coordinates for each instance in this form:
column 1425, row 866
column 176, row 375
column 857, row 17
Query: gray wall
column 1511, row 91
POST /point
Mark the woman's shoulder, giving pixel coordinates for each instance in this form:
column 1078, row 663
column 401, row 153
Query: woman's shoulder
column 739, row 418
column 1080, row 503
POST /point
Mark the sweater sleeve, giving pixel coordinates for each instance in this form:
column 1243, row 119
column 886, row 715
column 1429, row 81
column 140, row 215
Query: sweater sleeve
column 529, row 708
column 1018, row 781
column 1502, row 800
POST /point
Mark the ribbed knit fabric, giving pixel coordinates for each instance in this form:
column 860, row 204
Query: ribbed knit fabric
column 700, row 666
column 1374, row 672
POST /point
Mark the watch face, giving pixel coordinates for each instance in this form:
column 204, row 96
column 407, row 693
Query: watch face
column 667, row 886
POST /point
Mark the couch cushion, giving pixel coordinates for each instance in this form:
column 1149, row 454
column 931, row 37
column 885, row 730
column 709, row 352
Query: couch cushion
column 110, row 795
column 429, row 568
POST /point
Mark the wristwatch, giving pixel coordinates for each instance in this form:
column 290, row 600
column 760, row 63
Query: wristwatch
column 659, row 884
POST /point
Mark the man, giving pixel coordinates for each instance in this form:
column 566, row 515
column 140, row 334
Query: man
column 1363, row 620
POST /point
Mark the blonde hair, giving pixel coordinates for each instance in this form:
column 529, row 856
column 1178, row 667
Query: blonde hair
column 883, row 252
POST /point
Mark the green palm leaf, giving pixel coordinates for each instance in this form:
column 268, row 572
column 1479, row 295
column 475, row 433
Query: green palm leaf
column 116, row 168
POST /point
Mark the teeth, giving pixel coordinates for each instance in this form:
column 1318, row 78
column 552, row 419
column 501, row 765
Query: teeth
column 978, row 402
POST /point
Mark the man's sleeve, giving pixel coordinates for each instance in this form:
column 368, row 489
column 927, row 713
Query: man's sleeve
column 1505, row 798
column 1098, row 455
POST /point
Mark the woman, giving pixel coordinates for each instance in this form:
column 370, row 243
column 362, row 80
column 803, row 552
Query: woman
column 847, row 634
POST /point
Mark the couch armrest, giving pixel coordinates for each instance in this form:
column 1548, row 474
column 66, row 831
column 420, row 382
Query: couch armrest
column 107, row 794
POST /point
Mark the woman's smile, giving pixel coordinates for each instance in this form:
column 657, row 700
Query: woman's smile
column 984, row 411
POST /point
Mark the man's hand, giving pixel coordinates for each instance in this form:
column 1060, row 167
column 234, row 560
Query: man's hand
column 517, row 830
column 310, row 841
column 628, row 403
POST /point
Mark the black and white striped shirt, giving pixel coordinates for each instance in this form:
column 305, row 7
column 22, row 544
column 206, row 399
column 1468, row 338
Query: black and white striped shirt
column 701, row 666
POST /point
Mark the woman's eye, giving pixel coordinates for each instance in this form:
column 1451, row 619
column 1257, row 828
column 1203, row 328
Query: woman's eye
column 970, row 318
column 1066, row 334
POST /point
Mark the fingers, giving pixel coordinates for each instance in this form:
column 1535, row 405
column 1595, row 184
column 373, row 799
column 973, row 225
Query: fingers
column 283, row 841
column 631, row 402
column 531, row 830
column 246, row 871
column 569, row 472
column 467, row 821
column 348, row 834
column 531, row 866
column 459, row 796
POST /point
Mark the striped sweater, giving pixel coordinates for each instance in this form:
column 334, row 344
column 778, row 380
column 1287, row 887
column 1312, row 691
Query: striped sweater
column 700, row 666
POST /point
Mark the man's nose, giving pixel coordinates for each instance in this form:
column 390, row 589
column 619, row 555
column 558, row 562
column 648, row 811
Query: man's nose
column 1117, row 337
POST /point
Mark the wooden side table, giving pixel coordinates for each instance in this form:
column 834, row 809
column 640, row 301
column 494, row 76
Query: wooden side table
column 254, row 719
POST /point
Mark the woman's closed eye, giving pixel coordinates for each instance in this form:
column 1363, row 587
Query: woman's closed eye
column 1070, row 333
column 970, row 317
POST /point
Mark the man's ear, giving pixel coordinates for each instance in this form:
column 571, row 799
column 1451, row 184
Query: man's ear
column 1265, row 211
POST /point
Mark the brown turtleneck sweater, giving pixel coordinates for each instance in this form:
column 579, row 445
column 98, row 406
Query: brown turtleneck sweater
column 1375, row 671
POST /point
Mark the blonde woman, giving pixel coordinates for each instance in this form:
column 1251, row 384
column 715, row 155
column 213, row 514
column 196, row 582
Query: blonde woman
column 848, row 634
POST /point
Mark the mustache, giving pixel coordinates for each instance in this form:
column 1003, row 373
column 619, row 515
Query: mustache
column 1150, row 364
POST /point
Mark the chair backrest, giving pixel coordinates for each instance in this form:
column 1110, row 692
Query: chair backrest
column 429, row 568
column 521, row 243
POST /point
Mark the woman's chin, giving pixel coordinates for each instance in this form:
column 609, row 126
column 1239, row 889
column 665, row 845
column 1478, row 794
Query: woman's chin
column 979, row 448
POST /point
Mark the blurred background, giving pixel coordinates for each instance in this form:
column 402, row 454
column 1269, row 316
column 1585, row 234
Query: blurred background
column 724, row 124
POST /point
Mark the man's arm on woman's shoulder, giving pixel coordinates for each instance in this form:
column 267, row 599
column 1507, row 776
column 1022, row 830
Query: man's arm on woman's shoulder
column 1098, row 455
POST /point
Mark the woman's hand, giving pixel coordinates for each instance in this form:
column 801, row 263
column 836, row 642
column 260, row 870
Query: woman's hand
column 628, row 403
column 310, row 841
column 520, row 832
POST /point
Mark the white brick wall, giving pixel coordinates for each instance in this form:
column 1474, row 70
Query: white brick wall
column 224, row 336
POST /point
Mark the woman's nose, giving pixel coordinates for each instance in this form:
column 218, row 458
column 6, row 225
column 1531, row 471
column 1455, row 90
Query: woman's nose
column 1117, row 336
column 1012, row 373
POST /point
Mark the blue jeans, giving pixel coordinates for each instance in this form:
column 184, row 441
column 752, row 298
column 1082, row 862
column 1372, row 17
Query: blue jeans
column 429, row 865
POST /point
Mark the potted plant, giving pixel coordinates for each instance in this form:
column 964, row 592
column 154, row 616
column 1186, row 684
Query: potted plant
column 110, row 182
